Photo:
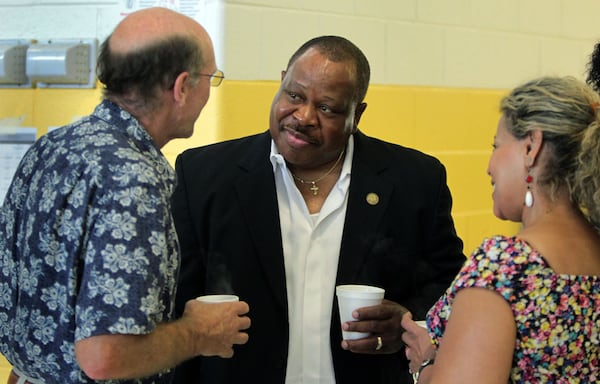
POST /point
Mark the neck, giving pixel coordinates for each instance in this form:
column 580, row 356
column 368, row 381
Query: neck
column 154, row 120
column 313, row 182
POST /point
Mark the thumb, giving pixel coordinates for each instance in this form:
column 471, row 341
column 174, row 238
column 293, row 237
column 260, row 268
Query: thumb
column 407, row 322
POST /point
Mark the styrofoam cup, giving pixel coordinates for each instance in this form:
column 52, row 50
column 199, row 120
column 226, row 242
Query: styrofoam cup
column 217, row 298
column 351, row 297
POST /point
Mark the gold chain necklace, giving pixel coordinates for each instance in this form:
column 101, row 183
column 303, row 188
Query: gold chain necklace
column 314, row 188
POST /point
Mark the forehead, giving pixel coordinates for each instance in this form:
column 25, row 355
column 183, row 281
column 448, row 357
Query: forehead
column 502, row 128
column 316, row 71
column 319, row 63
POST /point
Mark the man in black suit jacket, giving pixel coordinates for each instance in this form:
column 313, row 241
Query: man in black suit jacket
column 281, row 218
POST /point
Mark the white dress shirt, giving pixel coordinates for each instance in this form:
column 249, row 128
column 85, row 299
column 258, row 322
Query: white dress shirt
column 311, row 247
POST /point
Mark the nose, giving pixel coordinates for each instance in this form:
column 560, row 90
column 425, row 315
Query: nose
column 306, row 115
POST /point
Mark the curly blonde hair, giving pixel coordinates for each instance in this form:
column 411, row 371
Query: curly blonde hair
column 566, row 111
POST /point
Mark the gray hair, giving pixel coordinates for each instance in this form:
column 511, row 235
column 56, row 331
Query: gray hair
column 566, row 111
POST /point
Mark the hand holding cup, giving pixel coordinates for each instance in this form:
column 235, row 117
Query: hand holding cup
column 217, row 323
column 353, row 296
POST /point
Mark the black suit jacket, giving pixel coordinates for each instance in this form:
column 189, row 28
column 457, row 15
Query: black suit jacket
column 227, row 218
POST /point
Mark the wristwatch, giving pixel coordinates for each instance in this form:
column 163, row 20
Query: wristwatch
column 424, row 364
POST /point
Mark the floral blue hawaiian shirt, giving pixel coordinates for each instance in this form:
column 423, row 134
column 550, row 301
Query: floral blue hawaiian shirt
column 87, row 244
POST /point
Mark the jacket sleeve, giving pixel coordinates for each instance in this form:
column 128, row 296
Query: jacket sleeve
column 442, row 252
column 191, row 271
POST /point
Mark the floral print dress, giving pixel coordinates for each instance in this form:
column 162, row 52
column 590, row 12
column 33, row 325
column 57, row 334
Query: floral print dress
column 557, row 316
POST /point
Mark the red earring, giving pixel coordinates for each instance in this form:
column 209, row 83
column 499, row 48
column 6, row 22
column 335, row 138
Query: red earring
column 528, row 194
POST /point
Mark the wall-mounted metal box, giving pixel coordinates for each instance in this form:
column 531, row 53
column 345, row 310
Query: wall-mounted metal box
column 12, row 63
column 62, row 63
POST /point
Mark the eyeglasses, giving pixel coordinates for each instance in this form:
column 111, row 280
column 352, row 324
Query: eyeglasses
column 216, row 78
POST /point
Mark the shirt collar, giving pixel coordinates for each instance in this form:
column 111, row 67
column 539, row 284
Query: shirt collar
column 123, row 120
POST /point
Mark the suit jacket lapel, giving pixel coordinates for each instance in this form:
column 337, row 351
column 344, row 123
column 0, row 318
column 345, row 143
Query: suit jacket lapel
column 368, row 199
column 258, row 199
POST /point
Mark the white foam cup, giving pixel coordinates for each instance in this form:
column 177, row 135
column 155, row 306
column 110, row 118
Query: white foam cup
column 217, row 298
column 351, row 297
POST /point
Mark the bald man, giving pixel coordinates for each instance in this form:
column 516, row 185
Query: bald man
column 89, row 254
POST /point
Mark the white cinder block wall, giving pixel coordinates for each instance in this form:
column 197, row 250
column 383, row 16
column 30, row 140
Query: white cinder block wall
column 448, row 43
column 455, row 43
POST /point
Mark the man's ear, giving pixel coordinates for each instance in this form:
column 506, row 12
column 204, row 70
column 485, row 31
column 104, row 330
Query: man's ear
column 283, row 75
column 360, row 109
column 181, row 87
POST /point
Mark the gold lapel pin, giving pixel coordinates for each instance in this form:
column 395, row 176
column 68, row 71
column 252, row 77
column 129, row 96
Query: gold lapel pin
column 372, row 198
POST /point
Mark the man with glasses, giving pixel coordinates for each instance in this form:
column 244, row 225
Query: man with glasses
column 216, row 78
column 89, row 256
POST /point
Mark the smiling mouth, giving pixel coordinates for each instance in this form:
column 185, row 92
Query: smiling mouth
column 298, row 137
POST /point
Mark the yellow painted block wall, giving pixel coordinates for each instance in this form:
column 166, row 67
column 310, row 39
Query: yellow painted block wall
column 4, row 369
column 455, row 125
